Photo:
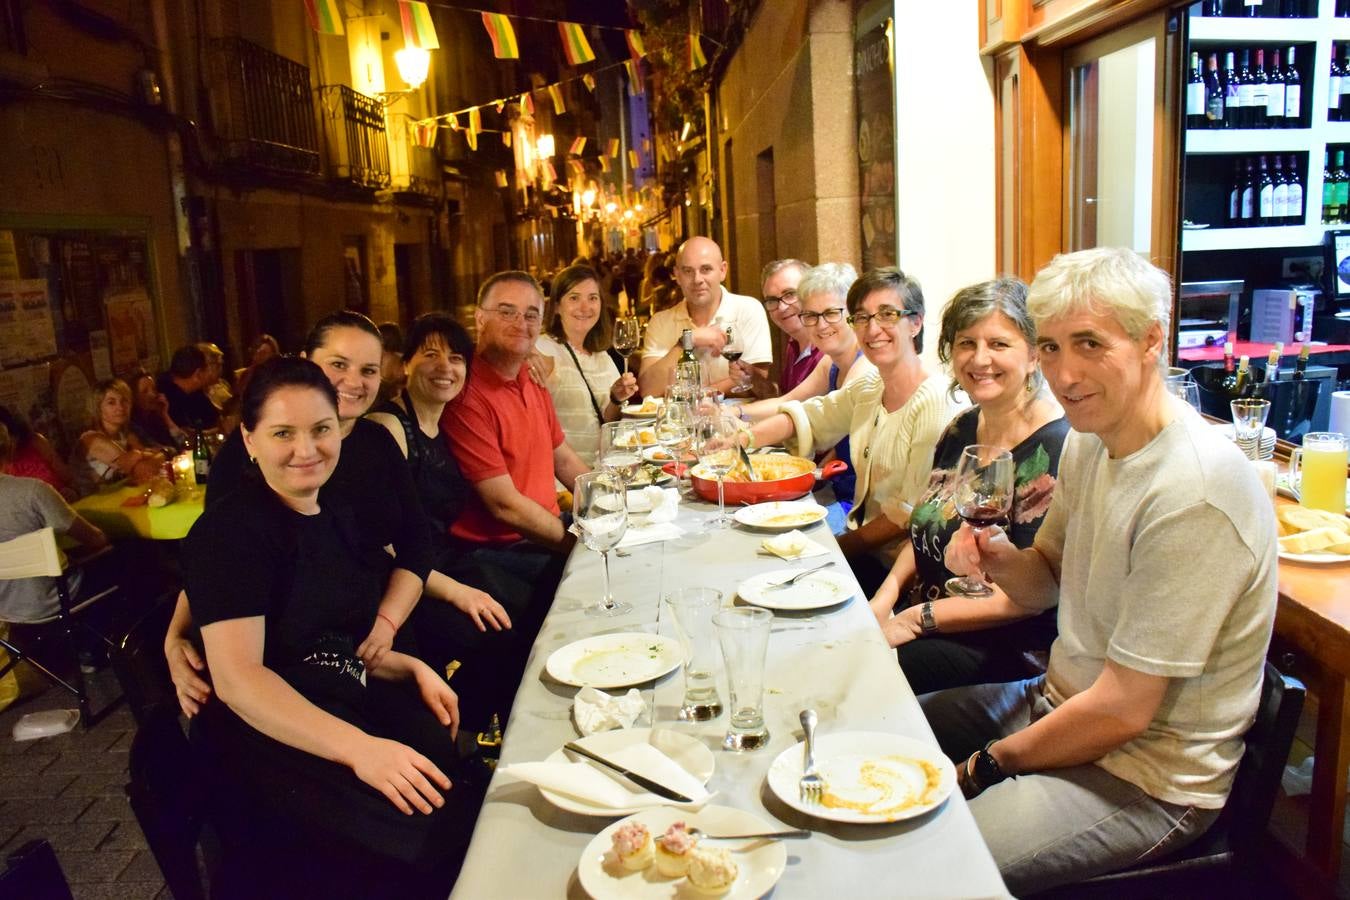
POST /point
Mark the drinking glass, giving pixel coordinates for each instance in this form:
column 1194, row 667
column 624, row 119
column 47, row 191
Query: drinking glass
column 600, row 514
column 1318, row 468
column 620, row 451
column 1249, row 420
column 675, row 428
column 694, row 608
column 1185, row 389
column 627, row 336
column 743, row 633
column 985, row 483
column 731, row 352
column 717, row 452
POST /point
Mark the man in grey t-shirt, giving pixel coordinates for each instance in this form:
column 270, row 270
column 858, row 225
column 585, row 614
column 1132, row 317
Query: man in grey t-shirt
column 1159, row 546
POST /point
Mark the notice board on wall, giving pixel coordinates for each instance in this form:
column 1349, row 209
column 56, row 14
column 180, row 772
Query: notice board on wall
column 76, row 306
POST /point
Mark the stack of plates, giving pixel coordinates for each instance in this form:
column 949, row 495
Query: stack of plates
column 1267, row 438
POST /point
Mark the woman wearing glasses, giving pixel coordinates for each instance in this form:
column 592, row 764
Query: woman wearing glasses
column 893, row 419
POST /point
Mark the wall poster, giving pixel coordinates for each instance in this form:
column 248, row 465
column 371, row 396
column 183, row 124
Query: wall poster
column 873, row 73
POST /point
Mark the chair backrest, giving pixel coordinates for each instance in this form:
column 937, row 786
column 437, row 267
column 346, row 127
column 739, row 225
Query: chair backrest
column 1268, row 743
column 30, row 555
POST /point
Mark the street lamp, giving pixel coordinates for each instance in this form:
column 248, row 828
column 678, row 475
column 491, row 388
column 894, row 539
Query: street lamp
column 546, row 146
column 412, row 63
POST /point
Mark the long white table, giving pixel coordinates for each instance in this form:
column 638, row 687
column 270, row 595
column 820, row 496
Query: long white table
column 835, row 661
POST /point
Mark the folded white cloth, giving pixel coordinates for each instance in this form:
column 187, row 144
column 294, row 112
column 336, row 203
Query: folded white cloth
column 592, row 783
column 793, row 545
column 650, row 534
column 594, row 710
column 663, row 503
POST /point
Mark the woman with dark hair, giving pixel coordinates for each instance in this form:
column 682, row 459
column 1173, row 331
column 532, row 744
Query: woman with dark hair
column 892, row 418
column 150, row 419
column 34, row 457
column 263, row 348
column 989, row 340
column 327, row 774
column 371, row 479
column 578, row 372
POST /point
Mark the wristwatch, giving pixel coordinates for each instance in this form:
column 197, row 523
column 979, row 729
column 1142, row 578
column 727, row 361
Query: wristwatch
column 987, row 771
column 926, row 621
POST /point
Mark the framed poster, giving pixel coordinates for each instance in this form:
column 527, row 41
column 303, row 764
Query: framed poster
column 874, row 74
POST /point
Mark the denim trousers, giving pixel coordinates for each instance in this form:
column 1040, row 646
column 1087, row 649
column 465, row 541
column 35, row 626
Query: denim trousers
column 1059, row 826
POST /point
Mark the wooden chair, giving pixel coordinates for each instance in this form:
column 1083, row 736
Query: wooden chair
column 1232, row 843
column 34, row 555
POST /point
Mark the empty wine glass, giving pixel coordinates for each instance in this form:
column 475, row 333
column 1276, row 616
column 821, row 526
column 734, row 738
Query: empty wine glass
column 627, row 336
column 674, row 427
column 1249, row 421
column 717, row 452
column 985, row 483
column 620, row 451
column 600, row 515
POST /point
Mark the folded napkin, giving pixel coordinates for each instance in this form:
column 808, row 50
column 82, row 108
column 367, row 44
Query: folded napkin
column 793, row 545
column 592, row 783
column 594, row 710
column 663, row 503
column 650, row 534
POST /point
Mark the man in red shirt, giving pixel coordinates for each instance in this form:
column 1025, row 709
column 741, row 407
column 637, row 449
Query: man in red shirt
column 780, row 279
column 505, row 435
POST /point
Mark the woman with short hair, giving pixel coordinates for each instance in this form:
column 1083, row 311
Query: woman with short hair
column 110, row 451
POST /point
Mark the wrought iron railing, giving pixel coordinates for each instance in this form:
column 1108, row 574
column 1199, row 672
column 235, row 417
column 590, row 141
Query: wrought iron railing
column 357, row 143
column 263, row 108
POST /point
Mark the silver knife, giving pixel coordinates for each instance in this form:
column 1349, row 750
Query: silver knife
column 641, row 781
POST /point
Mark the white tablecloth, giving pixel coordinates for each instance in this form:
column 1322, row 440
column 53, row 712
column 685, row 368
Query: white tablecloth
column 834, row 660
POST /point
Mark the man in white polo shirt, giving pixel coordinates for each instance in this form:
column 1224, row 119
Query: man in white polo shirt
column 708, row 311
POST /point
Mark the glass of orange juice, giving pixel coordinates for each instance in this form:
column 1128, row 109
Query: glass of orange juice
column 1321, row 461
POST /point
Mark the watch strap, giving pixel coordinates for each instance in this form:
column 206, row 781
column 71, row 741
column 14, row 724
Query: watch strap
column 926, row 621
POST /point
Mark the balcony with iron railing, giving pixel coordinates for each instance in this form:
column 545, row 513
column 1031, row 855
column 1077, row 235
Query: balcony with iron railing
column 358, row 146
column 262, row 108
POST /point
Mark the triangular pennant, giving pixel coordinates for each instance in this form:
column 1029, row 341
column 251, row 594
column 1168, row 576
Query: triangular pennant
column 575, row 46
column 604, row 164
column 503, row 36
column 324, row 16
column 418, row 29
column 633, row 159
column 472, row 137
column 578, row 146
column 612, row 147
column 555, row 92
column 499, row 104
column 424, row 133
column 526, row 105
column 475, row 120
column 589, row 80
column 454, row 121
column 634, row 76
column 635, row 48
column 577, row 166
column 501, row 178
column 696, row 58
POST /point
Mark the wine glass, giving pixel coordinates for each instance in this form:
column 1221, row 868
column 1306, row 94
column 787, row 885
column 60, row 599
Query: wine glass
column 985, row 482
column 731, row 352
column 674, row 427
column 620, row 451
column 717, row 452
column 627, row 336
column 600, row 514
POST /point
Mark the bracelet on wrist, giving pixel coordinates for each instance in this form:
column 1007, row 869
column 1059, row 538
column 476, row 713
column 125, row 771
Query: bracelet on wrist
column 380, row 615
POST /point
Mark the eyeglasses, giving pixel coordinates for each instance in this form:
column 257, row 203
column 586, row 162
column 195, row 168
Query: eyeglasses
column 886, row 315
column 832, row 316
column 511, row 314
column 788, row 297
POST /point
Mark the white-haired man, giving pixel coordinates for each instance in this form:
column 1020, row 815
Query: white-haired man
column 1160, row 547
column 779, row 282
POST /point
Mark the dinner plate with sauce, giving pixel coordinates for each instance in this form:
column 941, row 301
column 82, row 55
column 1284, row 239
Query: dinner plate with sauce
column 615, row 660
column 870, row 777
column 781, row 515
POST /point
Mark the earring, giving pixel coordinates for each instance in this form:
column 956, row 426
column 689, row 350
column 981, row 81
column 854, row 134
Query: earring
column 253, row 460
column 1031, row 383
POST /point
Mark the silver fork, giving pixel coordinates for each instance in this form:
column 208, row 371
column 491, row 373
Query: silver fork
column 789, row 582
column 811, row 785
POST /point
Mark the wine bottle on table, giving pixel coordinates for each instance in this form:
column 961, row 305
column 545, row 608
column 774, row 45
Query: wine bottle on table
column 1275, row 92
column 1294, row 203
column 1256, row 114
column 687, row 369
column 1195, row 95
column 1213, row 94
column 1232, row 93
column 1345, row 82
column 1293, row 91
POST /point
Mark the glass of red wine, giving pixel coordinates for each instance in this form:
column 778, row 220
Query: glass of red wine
column 731, row 352
column 983, row 493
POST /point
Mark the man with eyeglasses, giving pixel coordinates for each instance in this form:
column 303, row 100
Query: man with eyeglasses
column 708, row 310
column 780, row 279
column 507, row 439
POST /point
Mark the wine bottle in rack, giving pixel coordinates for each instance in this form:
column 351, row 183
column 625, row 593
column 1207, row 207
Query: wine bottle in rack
column 1293, row 91
column 1195, row 95
column 1256, row 113
column 1246, row 90
column 1334, row 74
column 1232, row 108
column 1235, row 197
column 1253, row 9
column 1249, row 205
column 1265, row 195
column 1342, row 197
column 1275, row 93
column 1294, row 204
column 1345, row 81
column 1280, row 201
column 1213, row 94
column 1328, row 192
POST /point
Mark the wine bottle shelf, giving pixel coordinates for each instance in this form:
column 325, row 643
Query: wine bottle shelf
column 1250, row 140
column 1268, row 30
column 1254, row 238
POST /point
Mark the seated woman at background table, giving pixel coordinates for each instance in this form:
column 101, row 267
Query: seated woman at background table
column 34, row 456
column 370, row 477
column 989, row 340
column 893, row 419
column 150, row 419
column 577, row 369
column 284, row 590
column 109, row 451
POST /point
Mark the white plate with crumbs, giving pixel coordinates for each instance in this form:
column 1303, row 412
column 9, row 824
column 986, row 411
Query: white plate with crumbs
column 782, row 515
column 814, row 591
column 615, row 660
column 869, row 776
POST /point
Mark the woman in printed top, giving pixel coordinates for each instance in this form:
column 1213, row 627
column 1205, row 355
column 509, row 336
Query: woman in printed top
column 109, row 451
column 989, row 341
column 34, row 457
column 370, row 478
column 577, row 369
column 334, row 772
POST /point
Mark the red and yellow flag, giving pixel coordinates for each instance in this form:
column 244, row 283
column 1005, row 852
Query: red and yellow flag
column 635, row 48
column 633, row 159
column 634, row 76
column 526, row 105
column 589, row 80
column 454, row 122
column 501, row 178
column 418, row 29
column 555, row 93
column 577, row 147
column 503, row 36
column 424, row 134
column 324, row 16
column 612, row 147
column 475, row 120
column 696, row 58
column 604, row 164
column 575, row 46
column 577, row 166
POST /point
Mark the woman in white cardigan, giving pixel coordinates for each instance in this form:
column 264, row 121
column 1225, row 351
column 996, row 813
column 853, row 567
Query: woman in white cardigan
column 893, row 419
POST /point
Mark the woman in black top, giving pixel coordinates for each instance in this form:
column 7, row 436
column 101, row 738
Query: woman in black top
column 370, row 478
column 989, row 340
column 283, row 588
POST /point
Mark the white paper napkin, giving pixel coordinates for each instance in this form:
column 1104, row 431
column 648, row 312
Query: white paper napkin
column 793, row 545
column 663, row 503
column 594, row 710
column 650, row 534
column 592, row 783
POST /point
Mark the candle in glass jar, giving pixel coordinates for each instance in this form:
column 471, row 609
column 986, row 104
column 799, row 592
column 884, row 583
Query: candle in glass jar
column 183, row 471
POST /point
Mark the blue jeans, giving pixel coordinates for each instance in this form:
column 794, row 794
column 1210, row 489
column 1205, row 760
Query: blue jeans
column 1060, row 826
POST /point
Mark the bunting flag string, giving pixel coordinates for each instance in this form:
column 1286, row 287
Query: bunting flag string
column 555, row 93
column 578, row 146
column 324, row 16
column 633, row 159
column 635, row 85
column 635, row 47
column 575, row 46
column 612, row 148
column 589, row 80
column 418, row 29
column 502, row 34
column 456, row 7
column 696, row 58
column 604, row 164
column 526, row 104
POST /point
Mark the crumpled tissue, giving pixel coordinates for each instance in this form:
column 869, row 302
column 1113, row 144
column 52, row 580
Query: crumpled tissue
column 594, row 710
